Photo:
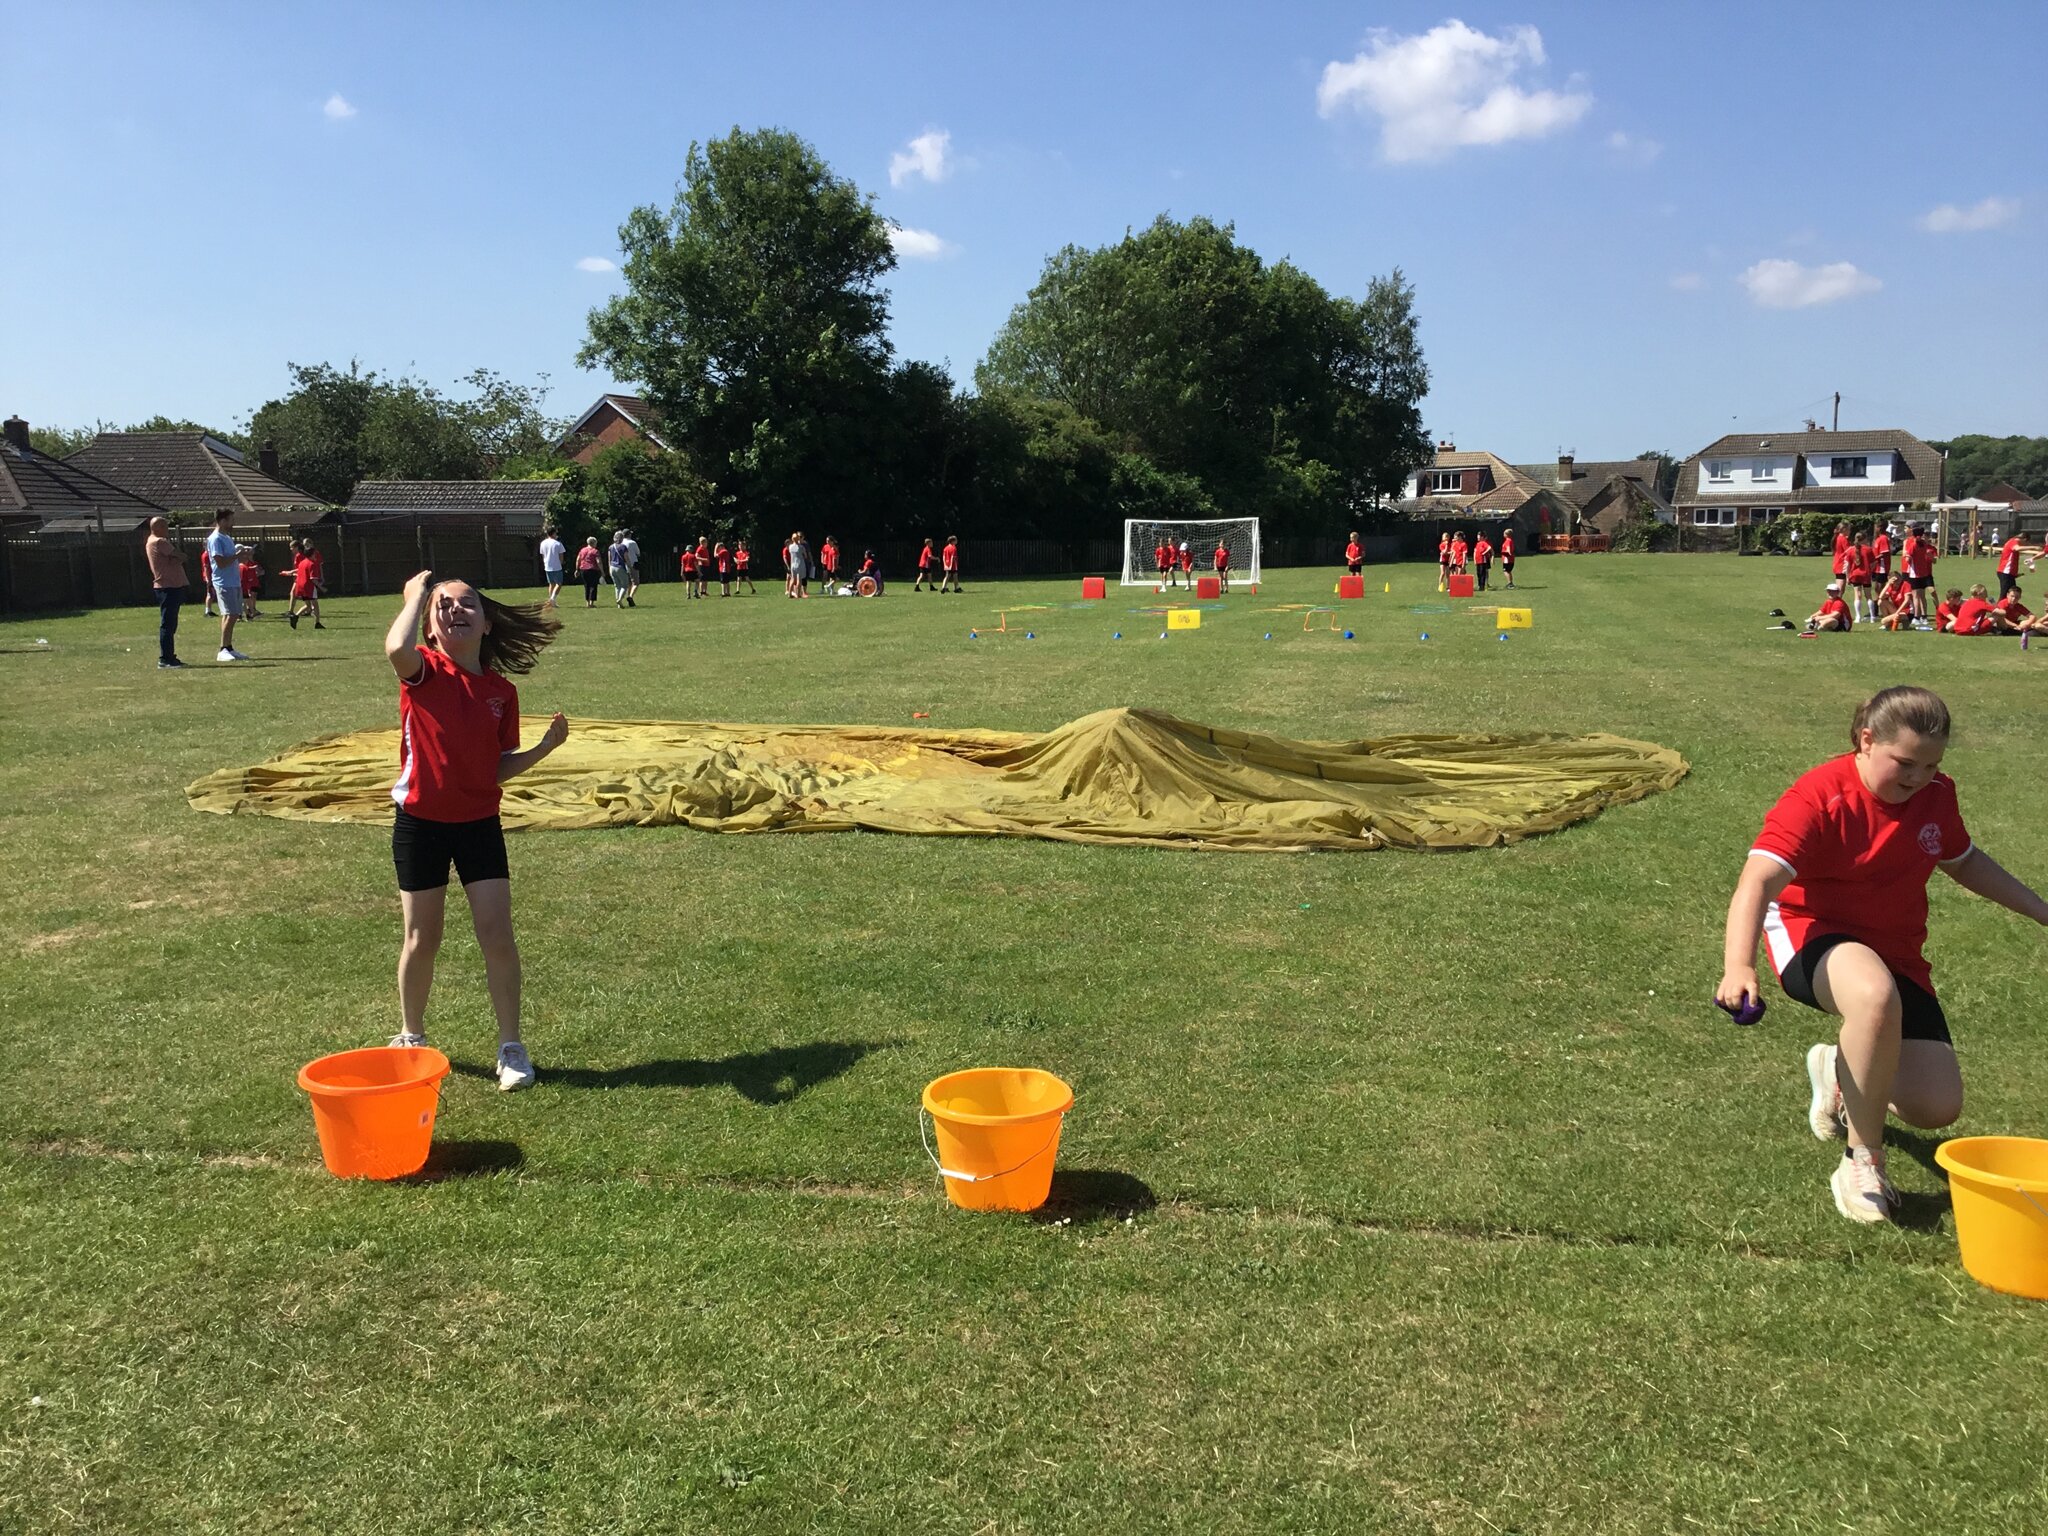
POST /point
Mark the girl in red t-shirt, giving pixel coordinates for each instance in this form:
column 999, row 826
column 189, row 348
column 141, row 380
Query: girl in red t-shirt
column 949, row 563
column 458, row 720
column 1836, row 884
column 740, row 557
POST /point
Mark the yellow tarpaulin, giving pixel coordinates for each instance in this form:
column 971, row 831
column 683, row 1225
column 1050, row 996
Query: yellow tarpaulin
column 1130, row 776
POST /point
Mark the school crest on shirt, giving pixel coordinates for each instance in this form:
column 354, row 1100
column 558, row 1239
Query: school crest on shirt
column 1930, row 840
column 497, row 707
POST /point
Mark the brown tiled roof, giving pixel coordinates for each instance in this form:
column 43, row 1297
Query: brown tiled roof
column 639, row 412
column 63, row 495
column 1919, row 479
column 464, row 498
column 1590, row 477
column 187, row 472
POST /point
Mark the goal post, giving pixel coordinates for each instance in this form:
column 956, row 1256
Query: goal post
column 1144, row 537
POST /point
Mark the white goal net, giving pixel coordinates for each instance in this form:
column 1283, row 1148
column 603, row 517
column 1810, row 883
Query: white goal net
column 1145, row 544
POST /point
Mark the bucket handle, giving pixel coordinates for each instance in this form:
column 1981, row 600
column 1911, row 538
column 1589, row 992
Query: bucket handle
column 2028, row 1196
column 982, row 1178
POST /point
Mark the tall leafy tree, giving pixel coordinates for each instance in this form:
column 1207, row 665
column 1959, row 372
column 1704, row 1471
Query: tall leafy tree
column 1251, row 379
column 1977, row 462
column 754, row 320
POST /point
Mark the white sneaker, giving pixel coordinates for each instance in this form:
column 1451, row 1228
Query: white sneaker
column 225, row 654
column 1862, row 1193
column 402, row 1040
column 1824, row 1111
column 515, row 1069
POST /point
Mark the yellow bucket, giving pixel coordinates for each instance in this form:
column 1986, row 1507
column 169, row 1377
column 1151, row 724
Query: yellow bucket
column 998, row 1132
column 1999, row 1187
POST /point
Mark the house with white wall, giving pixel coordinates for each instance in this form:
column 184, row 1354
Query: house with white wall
column 1748, row 478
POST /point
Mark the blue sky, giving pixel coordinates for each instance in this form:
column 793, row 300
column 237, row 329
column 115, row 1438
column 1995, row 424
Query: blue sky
column 1630, row 226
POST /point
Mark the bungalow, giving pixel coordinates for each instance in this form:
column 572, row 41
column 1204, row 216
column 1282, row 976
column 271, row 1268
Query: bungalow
column 1757, row 478
column 1560, row 497
column 510, row 506
column 614, row 419
column 55, row 496
column 195, row 472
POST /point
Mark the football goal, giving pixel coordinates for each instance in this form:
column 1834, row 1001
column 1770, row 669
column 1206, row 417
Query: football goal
column 1146, row 544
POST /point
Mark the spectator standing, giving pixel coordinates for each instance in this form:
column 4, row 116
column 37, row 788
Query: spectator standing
column 225, row 566
column 167, row 577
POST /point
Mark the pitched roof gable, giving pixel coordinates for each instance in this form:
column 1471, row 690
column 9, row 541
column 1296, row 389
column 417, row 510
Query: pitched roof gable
column 34, row 483
column 1920, row 478
column 643, row 417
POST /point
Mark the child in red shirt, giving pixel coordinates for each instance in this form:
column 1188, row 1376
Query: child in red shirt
column 949, row 563
column 689, row 564
column 252, row 583
column 703, row 567
column 1860, row 605
column 723, row 557
column 1186, row 563
column 1945, row 612
column 1507, row 556
column 1443, row 562
column 1833, row 613
column 1222, row 563
column 924, row 567
column 1458, row 548
column 1482, row 559
column 740, row 557
column 1836, row 884
column 1354, row 556
column 1895, row 604
column 1974, row 616
column 458, row 719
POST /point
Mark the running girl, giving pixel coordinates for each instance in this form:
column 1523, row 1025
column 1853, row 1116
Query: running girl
column 458, row 722
column 306, row 585
column 1836, row 883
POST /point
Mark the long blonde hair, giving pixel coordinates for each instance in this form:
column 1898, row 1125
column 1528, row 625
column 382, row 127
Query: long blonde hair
column 518, row 632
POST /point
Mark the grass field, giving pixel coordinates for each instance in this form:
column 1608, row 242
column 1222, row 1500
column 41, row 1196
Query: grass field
column 1403, row 1192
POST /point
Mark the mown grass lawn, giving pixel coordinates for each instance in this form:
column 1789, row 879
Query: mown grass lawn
column 1402, row 1192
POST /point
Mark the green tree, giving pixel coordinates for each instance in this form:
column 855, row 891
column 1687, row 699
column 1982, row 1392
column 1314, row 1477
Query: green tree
column 62, row 442
column 655, row 494
column 1252, row 380
column 1976, row 462
column 753, row 320
column 333, row 429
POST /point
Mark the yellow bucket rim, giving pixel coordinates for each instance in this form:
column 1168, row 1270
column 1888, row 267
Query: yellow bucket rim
column 964, row 1117
column 1956, row 1165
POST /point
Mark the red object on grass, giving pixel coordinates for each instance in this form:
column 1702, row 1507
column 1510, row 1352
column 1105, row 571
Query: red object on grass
column 1351, row 586
column 1208, row 586
column 1094, row 586
column 1460, row 584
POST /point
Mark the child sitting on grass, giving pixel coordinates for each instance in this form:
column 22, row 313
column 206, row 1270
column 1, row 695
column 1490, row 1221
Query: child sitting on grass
column 1836, row 885
column 459, row 741
column 1833, row 614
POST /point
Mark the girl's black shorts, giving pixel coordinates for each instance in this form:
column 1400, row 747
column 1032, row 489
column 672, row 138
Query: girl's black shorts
column 1920, row 1014
column 422, row 851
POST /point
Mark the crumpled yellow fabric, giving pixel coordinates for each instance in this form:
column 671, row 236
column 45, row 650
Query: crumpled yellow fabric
column 1125, row 776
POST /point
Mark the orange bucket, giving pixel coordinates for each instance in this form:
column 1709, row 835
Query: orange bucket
column 374, row 1109
column 1998, row 1186
column 998, row 1130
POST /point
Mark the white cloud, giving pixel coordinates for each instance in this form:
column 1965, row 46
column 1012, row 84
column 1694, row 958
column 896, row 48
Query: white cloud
column 929, row 155
column 1687, row 282
column 1446, row 88
column 338, row 108
column 1634, row 147
column 919, row 244
column 1948, row 219
column 1781, row 284
column 597, row 264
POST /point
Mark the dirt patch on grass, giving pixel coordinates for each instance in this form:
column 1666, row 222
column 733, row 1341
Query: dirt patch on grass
column 37, row 943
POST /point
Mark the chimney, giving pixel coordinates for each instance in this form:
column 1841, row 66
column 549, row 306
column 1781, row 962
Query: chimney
column 1564, row 469
column 17, row 433
column 266, row 457
column 1446, row 446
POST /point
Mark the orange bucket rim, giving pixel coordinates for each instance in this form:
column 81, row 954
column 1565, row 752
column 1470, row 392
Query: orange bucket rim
column 967, row 1117
column 438, row 1068
column 1957, row 1165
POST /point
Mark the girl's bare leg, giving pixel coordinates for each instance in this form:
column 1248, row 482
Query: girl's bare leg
column 423, row 912
column 490, row 910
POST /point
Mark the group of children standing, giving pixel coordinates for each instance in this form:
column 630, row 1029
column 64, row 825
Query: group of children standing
column 1867, row 589
column 1452, row 550
column 1176, row 563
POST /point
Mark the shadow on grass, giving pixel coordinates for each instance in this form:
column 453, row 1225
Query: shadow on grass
column 1084, row 1195
column 760, row 1077
column 1918, row 1212
column 467, row 1160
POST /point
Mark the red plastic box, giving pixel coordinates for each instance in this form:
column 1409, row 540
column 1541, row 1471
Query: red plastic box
column 1351, row 586
column 1461, row 584
column 1094, row 586
column 1208, row 586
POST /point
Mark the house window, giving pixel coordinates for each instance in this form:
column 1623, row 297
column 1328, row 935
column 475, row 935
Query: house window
column 1441, row 480
column 1849, row 469
column 1765, row 514
column 1713, row 517
column 1720, row 469
column 1763, row 472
